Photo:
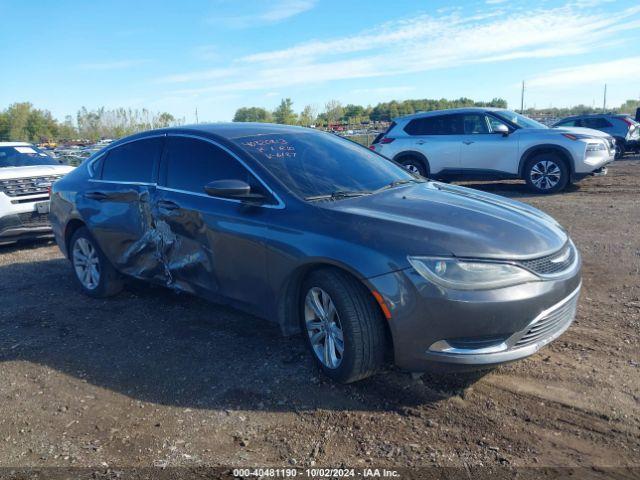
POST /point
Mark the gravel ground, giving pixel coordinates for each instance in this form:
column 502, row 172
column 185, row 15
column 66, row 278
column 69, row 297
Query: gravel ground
column 157, row 378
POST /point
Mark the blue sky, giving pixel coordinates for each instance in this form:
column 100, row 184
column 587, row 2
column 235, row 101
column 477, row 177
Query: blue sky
column 218, row 55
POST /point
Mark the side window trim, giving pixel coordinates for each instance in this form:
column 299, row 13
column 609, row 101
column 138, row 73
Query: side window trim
column 97, row 176
column 162, row 180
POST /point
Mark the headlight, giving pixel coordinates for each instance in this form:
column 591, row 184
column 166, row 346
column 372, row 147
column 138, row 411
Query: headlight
column 470, row 275
column 595, row 147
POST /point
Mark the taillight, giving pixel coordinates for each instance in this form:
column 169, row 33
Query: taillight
column 387, row 140
column 372, row 147
column 49, row 190
column 627, row 121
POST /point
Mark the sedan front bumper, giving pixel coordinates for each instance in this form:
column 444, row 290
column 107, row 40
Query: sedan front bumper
column 448, row 330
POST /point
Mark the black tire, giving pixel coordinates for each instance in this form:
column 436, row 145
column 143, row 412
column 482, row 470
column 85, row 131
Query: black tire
column 621, row 148
column 415, row 165
column 553, row 163
column 110, row 282
column 362, row 323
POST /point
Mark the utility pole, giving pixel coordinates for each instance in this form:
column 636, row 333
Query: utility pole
column 522, row 99
column 197, row 115
column 604, row 101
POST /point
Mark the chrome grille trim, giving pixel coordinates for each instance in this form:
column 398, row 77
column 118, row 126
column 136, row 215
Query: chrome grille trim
column 20, row 187
column 555, row 264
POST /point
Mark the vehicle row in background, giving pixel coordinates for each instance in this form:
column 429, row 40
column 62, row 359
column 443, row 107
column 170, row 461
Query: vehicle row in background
column 493, row 143
column 26, row 176
column 622, row 127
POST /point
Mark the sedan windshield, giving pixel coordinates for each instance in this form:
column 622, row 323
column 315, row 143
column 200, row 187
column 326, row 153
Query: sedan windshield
column 313, row 164
column 517, row 119
column 24, row 156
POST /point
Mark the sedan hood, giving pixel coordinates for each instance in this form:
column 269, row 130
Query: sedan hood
column 438, row 219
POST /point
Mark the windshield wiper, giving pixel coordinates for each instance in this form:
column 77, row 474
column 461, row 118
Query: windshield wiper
column 397, row 183
column 337, row 195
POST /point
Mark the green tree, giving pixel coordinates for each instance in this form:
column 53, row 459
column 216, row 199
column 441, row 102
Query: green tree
column 333, row 111
column 252, row 114
column 630, row 106
column 165, row 120
column 284, row 113
column 308, row 116
column 354, row 113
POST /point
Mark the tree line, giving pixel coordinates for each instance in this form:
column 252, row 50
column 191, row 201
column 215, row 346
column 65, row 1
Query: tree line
column 336, row 113
column 23, row 122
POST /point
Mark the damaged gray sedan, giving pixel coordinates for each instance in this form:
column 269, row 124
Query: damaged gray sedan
column 324, row 237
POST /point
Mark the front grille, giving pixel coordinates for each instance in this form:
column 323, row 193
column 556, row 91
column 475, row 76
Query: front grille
column 20, row 187
column 34, row 219
column 554, row 263
column 551, row 323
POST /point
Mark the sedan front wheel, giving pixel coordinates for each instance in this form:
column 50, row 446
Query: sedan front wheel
column 342, row 325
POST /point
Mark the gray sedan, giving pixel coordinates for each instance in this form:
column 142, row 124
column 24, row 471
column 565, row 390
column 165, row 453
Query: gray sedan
column 325, row 237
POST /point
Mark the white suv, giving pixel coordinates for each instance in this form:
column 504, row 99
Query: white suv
column 495, row 143
column 26, row 175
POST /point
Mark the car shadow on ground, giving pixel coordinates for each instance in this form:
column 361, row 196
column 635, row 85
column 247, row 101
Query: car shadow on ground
column 159, row 346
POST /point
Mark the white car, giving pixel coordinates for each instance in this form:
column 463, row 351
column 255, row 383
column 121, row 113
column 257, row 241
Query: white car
column 480, row 143
column 26, row 175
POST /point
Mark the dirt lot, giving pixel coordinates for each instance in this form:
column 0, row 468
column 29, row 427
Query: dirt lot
column 156, row 378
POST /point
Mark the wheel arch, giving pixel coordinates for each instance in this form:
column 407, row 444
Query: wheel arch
column 72, row 227
column 288, row 311
column 563, row 153
column 415, row 154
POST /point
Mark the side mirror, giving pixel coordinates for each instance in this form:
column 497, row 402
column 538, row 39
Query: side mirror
column 502, row 129
column 228, row 189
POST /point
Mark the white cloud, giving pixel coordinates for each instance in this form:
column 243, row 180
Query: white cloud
column 277, row 11
column 200, row 75
column 114, row 65
column 418, row 44
column 619, row 70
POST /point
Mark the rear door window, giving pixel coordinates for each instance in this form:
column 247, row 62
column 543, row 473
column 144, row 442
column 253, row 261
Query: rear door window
column 190, row 164
column 133, row 162
column 436, row 125
column 596, row 123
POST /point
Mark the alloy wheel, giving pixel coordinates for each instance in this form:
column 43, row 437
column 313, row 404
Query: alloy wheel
column 86, row 263
column 545, row 174
column 323, row 327
column 412, row 168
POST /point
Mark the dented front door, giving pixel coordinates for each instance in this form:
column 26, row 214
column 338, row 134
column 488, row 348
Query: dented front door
column 212, row 246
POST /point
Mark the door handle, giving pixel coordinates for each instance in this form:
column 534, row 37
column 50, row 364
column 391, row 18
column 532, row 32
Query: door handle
column 420, row 142
column 467, row 142
column 96, row 196
column 168, row 205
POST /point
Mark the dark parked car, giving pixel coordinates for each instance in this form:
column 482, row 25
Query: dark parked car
column 322, row 236
column 622, row 127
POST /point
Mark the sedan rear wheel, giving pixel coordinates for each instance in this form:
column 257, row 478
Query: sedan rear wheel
column 93, row 272
column 86, row 264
